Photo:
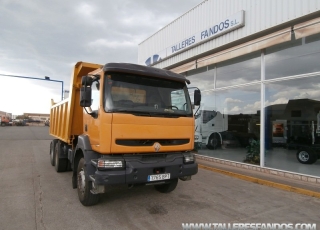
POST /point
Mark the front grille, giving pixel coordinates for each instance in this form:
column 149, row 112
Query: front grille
column 153, row 157
column 150, row 142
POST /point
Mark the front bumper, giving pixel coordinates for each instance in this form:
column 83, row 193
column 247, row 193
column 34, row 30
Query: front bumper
column 139, row 167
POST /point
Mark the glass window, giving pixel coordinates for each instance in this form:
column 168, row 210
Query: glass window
column 240, row 70
column 292, row 131
column 293, row 58
column 201, row 78
column 95, row 96
column 178, row 100
column 135, row 94
column 227, row 121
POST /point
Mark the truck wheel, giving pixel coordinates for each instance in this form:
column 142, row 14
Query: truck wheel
column 166, row 188
column 306, row 156
column 52, row 153
column 84, row 186
column 60, row 164
column 214, row 141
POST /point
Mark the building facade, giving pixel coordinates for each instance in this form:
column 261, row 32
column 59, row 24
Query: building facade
column 5, row 114
column 40, row 117
column 257, row 66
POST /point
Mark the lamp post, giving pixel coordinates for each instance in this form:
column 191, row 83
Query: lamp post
column 34, row 78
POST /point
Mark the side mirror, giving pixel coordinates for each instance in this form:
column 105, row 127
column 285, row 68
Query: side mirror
column 197, row 97
column 86, row 81
column 85, row 91
column 85, row 96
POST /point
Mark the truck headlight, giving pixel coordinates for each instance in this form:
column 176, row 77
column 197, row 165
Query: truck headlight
column 109, row 164
column 196, row 137
column 188, row 158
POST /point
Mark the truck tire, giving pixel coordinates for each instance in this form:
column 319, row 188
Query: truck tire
column 84, row 186
column 60, row 164
column 52, row 153
column 214, row 141
column 306, row 156
column 166, row 188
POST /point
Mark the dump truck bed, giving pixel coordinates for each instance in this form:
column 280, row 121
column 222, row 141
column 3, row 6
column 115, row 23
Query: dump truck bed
column 66, row 117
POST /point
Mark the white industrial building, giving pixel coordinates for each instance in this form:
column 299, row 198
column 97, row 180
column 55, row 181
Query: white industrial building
column 257, row 64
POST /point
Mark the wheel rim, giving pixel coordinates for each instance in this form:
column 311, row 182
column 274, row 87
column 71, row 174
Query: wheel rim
column 81, row 181
column 304, row 156
column 213, row 142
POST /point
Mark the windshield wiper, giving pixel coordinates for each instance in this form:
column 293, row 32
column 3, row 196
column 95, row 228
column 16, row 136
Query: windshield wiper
column 134, row 112
column 149, row 113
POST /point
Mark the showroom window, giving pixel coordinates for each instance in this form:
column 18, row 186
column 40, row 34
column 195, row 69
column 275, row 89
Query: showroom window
column 240, row 70
column 296, row 57
column 228, row 121
column 201, row 78
column 292, row 109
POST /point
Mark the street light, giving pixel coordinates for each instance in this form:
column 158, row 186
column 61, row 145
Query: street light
column 34, row 78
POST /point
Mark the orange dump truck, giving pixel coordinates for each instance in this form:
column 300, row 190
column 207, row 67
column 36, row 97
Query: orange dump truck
column 124, row 124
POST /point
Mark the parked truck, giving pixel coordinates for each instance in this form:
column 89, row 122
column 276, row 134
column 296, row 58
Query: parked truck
column 210, row 125
column 215, row 128
column 123, row 124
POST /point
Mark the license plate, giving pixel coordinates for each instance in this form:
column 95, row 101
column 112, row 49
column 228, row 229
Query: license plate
column 157, row 177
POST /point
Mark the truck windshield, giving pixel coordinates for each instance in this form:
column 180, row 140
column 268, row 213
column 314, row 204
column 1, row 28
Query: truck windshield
column 142, row 95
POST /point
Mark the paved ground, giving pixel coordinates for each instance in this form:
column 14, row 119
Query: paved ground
column 34, row 196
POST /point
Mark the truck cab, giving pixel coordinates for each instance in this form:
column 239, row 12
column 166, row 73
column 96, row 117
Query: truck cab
column 210, row 124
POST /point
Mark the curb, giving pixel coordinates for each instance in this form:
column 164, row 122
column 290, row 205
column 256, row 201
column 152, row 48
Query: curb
column 263, row 182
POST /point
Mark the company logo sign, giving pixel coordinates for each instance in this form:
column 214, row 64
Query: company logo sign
column 226, row 25
column 156, row 147
column 155, row 58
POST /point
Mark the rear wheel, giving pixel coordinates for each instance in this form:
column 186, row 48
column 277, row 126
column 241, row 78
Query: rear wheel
column 52, row 153
column 60, row 164
column 214, row 141
column 166, row 188
column 306, row 156
column 84, row 186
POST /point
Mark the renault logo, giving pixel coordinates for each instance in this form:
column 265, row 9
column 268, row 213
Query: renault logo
column 156, row 147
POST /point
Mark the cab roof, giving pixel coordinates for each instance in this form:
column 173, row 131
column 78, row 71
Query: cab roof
column 144, row 70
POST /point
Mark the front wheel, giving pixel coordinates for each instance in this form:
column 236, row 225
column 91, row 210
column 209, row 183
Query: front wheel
column 166, row 188
column 84, row 186
column 306, row 156
column 214, row 141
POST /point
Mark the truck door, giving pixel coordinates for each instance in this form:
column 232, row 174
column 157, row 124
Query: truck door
column 92, row 123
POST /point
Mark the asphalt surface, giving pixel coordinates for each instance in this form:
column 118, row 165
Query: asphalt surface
column 281, row 182
column 34, row 196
